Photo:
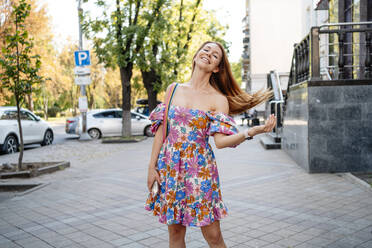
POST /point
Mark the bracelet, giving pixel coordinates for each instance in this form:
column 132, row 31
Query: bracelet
column 246, row 135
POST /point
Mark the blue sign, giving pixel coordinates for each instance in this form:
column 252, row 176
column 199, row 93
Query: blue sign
column 82, row 58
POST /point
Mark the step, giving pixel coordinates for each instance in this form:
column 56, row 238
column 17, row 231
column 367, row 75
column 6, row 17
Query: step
column 273, row 137
column 269, row 144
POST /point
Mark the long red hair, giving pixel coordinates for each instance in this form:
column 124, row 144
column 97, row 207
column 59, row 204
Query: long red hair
column 224, row 82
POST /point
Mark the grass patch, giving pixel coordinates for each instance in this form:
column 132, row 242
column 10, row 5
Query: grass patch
column 120, row 139
column 56, row 119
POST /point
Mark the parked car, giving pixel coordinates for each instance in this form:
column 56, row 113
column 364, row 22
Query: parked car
column 34, row 129
column 108, row 122
column 143, row 107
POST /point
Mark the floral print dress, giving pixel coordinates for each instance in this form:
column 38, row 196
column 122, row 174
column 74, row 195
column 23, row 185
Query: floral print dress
column 190, row 188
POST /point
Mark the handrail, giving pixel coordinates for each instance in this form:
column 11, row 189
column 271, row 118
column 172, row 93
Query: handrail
column 312, row 60
column 344, row 24
column 277, row 102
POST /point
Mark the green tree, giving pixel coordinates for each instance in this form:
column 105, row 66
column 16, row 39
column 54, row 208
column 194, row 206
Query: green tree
column 172, row 41
column 37, row 20
column 236, row 68
column 20, row 70
column 118, row 38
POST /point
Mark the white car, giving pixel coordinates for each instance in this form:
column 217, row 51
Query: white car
column 108, row 122
column 34, row 129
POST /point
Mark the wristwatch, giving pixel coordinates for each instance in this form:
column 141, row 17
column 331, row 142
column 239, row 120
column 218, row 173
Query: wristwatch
column 246, row 135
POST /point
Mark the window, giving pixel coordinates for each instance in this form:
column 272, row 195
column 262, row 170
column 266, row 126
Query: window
column 119, row 114
column 9, row 115
column 31, row 116
column 134, row 116
column 107, row 114
column 26, row 116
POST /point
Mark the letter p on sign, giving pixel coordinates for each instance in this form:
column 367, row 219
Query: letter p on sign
column 82, row 58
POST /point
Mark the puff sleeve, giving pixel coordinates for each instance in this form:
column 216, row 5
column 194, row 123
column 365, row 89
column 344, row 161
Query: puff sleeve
column 156, row 117
column 221, row 123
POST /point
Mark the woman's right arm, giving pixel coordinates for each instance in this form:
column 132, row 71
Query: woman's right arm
column 153, row 174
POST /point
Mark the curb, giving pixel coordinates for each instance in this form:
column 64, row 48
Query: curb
column 22, row 188
column 56, row 166
column 362, row 184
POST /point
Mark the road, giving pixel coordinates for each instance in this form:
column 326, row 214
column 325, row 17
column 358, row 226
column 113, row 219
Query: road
column 60, row 135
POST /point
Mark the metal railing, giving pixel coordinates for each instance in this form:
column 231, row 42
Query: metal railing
column 334, row 51
column 275, row 105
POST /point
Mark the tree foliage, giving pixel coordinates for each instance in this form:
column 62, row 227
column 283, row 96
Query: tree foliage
column 20, row 69
column 153, row 48
column 118, row 37
column 236, row 68
column 167, row 53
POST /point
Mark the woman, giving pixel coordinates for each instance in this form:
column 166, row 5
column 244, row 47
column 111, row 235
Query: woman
column 184, row 165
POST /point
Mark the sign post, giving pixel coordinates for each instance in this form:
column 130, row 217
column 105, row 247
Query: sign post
column 82, row 76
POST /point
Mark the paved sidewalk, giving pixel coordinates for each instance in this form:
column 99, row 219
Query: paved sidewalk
column 98, row 202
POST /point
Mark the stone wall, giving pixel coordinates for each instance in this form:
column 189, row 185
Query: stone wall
column 339, row 126
column 295, row 126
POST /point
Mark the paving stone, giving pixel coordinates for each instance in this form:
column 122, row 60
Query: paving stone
column 133, row 245
column 271, row 237
column 255, row 233
column 98, row 202
column 367, row 244
column 301, row 237
column 306, row 245
column 256, row 243
column 138, row 236
column 241, row 246
column 288, row 242
column 318, row 241
column 196, row 244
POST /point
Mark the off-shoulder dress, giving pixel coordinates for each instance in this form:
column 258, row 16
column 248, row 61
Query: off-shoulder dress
column 190, row 187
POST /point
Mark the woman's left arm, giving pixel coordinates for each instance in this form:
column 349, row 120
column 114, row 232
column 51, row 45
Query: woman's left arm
column 222, row 140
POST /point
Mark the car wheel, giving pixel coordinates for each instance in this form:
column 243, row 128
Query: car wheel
column 48, row 138
column 148, row 132
column 94, row 133
column 10, row 144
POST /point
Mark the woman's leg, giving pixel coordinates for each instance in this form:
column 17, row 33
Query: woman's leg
column 177, row 234
column 212, row 234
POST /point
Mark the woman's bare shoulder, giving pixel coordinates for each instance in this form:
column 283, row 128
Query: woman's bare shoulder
column 221, row 103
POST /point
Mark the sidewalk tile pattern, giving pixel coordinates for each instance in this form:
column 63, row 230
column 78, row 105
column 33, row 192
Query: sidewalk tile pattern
column 99, row 201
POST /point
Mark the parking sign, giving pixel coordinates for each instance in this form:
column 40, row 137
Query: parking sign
column 82, row 58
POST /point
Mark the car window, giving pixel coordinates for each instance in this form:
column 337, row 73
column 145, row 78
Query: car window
column 25, row 116
column 134, row 116
column 30, row 116
column 107, row 114
column 119, row 114
column 143, row 110
column 9, row 115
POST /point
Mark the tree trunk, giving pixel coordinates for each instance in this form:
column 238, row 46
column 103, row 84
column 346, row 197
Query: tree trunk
column 46, row 108
column 125, row 76
column 30, row 102
column 21, row 146
column 149, row 80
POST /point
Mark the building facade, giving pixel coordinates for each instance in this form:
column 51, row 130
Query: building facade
column 270, row 29
column 328, row 109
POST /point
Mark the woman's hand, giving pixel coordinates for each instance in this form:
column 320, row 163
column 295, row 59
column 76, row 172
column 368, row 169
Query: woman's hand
column 152, row 175
column 268, row 127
